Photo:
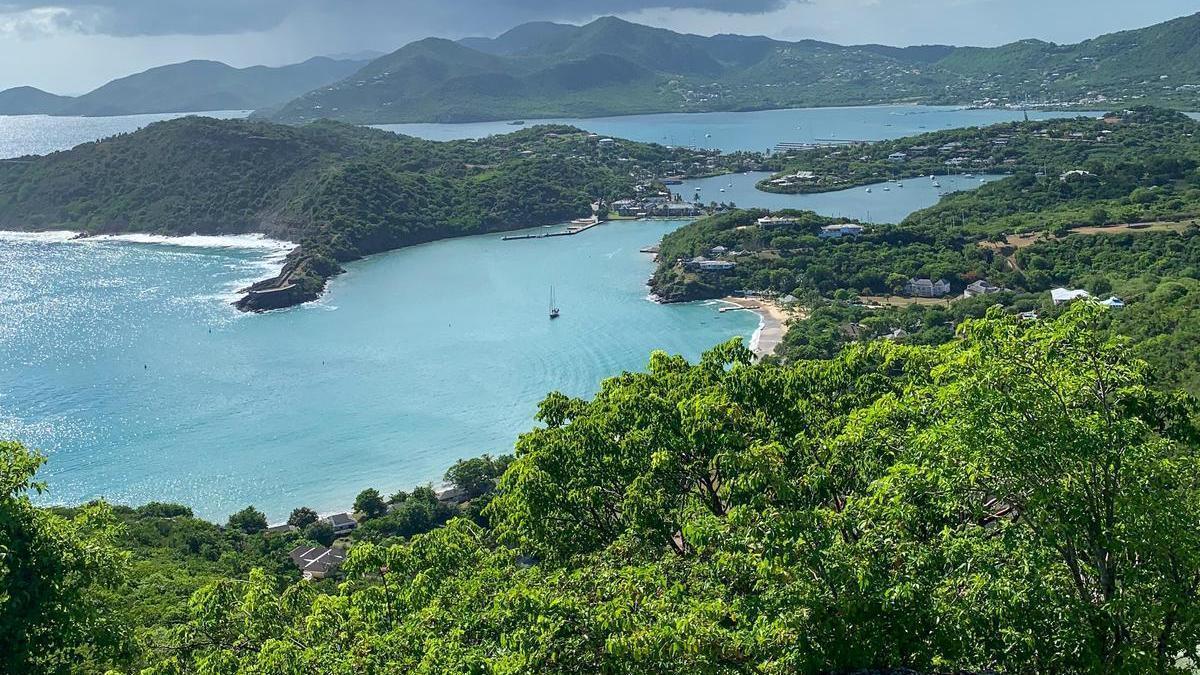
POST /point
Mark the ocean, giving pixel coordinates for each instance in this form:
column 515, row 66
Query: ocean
column 124, row 362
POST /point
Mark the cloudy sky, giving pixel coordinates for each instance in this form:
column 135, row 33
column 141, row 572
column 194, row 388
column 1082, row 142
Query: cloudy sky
column 70, row 46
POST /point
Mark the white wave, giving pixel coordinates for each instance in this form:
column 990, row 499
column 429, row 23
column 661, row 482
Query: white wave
column 757, row 336
column 239, row 241
column 51, row 236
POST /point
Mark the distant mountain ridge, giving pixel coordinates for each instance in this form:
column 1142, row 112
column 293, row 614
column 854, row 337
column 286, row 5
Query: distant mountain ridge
column 611, row 67
column 190, row 86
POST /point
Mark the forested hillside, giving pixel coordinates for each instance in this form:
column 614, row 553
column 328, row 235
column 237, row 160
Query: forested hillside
column 191, row 86
column 1019, row 499
column 341, row 191
column 1108, row 206
column 613, row 67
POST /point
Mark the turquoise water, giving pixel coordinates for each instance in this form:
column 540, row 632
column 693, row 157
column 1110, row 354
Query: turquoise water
column 759, row 131
column 123, row 360
column 22, row 135
column 126, row 364
column 885, row 203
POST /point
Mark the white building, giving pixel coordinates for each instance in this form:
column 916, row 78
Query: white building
column 981, row 287
column 1113, row 303
column 776, row 221
column 925, row 288
column 843, row 230
column 1064, row 295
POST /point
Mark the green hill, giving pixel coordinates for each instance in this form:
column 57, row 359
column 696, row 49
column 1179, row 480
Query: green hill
column 662, row 71
column 190, row 86
column 30, row 101
column 341, row 191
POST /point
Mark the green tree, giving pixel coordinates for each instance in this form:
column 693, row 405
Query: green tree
column 249, row 520
column 320, row 532
column 54, row 571
column 477, row 475
column 370, row 503
column 302, row 517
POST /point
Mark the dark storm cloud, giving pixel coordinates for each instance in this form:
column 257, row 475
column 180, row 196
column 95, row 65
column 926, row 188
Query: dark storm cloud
column 210, row 17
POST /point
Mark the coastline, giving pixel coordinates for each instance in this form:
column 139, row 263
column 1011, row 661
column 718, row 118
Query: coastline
column 772, row 322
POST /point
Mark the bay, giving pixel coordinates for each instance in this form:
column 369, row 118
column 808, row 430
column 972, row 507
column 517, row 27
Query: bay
column 123, row 360
column 885, row 203
column 126, row 364
column 757, row 131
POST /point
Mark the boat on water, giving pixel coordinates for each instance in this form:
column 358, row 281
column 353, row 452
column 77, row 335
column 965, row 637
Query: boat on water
column 868, row 190
column 553, row 307
column 937, row 184
column 887, row 189
column 516, row 123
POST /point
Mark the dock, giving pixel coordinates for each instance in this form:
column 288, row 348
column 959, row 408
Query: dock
column 575, row 228
column 786, row 146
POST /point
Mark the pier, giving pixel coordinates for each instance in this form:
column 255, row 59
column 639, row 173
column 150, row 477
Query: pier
column 574, row 228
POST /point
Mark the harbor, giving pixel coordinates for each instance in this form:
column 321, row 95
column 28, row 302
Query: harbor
column 576, row 227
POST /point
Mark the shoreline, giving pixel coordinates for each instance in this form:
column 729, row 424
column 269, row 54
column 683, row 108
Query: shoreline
column 772, row 322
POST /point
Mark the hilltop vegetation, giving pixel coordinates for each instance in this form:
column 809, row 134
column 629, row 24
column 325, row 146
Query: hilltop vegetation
column 613, row 67
column 191, row 86
column 1018, row 499
column 341, row 191
column 1056, row 222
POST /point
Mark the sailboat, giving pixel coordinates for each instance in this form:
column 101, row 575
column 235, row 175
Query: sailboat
column 553, row 308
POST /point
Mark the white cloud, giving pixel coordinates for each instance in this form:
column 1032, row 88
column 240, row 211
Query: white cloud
column 39, row 22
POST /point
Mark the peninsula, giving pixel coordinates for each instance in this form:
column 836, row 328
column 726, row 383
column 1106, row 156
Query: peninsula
column 341, row 191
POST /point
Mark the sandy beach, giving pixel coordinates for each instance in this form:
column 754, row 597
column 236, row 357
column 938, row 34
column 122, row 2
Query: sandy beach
column 772, row 325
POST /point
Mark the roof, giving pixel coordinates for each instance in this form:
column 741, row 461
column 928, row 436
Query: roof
column 317, row 559
column 1066, row 294
column 341, row 519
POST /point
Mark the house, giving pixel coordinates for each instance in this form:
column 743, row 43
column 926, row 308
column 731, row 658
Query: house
column 342, row 523
column 767, row 222
column 898, row 157
column 896, row 335
column 453, row 495
column 1113, row 303
column 1074, row 173
column 716, row 266
column 280, row 529
column 718, row 250
column 839, row 231
column 925, row 288
column 854, row 331
column 1028, row 316
column 675, row 210
column 1063, row 295
column 981, row 287
column 317, row 562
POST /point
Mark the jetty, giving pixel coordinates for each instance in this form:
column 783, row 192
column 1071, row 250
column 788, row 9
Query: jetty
column 575, row 227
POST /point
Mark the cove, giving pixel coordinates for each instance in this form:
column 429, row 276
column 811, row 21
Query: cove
column 125, row 363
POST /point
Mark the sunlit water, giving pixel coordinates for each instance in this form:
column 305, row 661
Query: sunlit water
column 22, row 135
column 758, row 131
column 884, row 203
column 123, row 360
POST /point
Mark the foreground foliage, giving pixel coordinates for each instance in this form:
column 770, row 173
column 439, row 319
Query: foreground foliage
column 1020, row 498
